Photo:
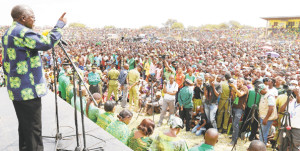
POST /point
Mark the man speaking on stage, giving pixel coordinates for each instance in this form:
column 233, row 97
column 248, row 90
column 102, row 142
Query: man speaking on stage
column 23, row 72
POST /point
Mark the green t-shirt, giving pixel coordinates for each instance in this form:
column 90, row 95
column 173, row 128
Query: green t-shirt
column 94, row 112
column 203, row 147
column 192, row 78
column 251, row 98
column 119, row 130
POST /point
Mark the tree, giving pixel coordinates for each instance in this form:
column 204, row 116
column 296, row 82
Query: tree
column 77, row 25
column 169, row 23
column 234, row 24
column 149, row 27
column 109, row 27
column 223, row 26
column 177, row 25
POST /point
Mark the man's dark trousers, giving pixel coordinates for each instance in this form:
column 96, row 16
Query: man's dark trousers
column 30, row 125
column 186, row 114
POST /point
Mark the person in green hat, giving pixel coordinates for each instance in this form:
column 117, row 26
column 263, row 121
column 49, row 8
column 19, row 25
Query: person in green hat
column 94, row 80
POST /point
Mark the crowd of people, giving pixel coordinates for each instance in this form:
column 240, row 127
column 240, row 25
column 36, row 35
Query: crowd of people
column 208, row 79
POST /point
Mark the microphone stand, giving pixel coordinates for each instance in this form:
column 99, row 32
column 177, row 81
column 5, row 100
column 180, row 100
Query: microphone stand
column 58, row 135
column 80, row 95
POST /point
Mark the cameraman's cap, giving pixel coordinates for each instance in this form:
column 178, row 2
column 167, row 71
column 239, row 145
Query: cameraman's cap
column 294, row 82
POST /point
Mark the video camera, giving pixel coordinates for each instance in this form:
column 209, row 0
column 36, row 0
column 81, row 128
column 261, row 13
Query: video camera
column 289, row 90
column 163, row 56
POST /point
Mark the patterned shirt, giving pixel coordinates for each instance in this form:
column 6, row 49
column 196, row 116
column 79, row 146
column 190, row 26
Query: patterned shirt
column 122, row 77
column 22, row 62
column 69, row 93
column 164, row 142
column 139, row 144
column 119, row 130
column 105, row 119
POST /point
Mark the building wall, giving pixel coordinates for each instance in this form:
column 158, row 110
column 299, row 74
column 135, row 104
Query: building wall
column 283, row 23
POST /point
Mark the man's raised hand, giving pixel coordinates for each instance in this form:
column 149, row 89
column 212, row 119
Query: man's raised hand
column 62, row 18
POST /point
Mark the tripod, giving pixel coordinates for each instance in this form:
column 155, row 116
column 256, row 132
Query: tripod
column 286, row 122
column 250, row 118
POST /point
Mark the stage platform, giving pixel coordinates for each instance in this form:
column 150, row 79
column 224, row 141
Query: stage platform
column 9, row 140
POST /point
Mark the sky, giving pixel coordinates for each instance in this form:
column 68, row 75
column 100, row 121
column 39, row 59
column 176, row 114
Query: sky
column 138, row 13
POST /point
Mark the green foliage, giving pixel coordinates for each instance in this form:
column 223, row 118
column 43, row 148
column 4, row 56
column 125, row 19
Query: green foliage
column 169, row 23
column 149, row 27
column 177, row 25
column 80, row 25
column 109, row 27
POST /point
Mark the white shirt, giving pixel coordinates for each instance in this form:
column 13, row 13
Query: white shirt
column 171, row 88
column 274, row 92
column 294, row 110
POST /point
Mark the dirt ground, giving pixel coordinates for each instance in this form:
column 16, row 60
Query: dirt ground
column 190, row 138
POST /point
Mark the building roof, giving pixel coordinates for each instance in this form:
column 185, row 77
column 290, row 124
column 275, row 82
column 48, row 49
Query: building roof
column 281, row 17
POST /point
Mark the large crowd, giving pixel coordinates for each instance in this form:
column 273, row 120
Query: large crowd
column 204, row 79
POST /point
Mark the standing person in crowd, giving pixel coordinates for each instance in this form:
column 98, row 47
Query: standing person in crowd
column 169, row 140
column 123, row 82
column 294, row 133
column 190, row 75
column 170, row 89
column 211, row 139
column 185, row 97
column 212, row 92
column 179, row 78
column 23, row 72
column 239, row 102
column 198, row 92
column 267, row 112
column 94, row 80
column 113, row 84
column 139, row 139
column 62, row 76
column 70, row 90
column 223, row 106
column 104, row 119
column 119, row 128
column 133, row 79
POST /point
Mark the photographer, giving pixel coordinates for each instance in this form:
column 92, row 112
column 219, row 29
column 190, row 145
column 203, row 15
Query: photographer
column 294, row 111
column 238, row 107
column 212, row 92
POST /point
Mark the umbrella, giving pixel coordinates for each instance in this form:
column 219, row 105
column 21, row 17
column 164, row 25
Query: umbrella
column 267, row 47
column 272, row 54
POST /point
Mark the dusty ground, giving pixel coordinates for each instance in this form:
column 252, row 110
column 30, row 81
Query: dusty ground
column 189, row 137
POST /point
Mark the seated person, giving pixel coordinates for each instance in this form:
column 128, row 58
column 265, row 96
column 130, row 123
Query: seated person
column 257, row 145
column 78, row 99
column 157, row 102
column 139, row 139
column 92, row 111
column 211, row 139
column 200, row 122
column 104, row 119
column 168, row 140
column 119, row 128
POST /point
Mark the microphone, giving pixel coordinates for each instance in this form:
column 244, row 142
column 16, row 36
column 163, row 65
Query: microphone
column 46, row 32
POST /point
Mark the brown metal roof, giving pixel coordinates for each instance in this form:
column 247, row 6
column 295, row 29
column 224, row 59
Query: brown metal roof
column 281, row 17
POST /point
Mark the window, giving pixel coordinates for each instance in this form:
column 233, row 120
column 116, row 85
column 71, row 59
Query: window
column 291, row 24
column 275, row 23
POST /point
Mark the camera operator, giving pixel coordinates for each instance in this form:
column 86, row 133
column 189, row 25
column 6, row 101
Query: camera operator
column 238, row 107
column 267, row 111
column 294, row 111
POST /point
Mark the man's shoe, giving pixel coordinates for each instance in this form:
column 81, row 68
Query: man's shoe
column 231, row 143
column 159, row 125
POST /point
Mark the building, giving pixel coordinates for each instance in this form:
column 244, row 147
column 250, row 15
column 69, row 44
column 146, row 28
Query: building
column 291, row 22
